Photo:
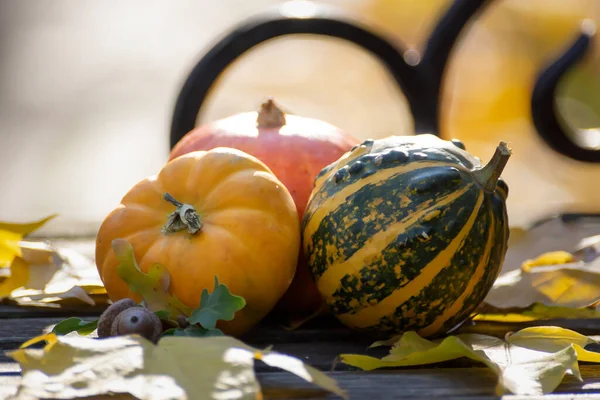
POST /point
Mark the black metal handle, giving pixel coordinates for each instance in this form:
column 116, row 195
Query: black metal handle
column 419, row 81
column 546, row 118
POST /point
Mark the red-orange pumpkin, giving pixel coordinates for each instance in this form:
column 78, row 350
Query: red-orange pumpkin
column 295, row 148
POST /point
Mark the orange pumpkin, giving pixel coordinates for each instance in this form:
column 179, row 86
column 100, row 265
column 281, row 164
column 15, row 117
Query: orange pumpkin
column 296, row 149
column 248, row 235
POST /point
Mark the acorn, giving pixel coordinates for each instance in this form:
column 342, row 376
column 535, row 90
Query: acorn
column 127, row 317
column 110, row 314
column 137, row 320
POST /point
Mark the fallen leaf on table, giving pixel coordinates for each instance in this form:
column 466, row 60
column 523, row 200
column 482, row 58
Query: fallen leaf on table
column 176, row 368
column 534, row 312
column 550, row 258
column 49, row 277
column 532, row 361
column 552, row 339
column 10, row 236
column 152, row 287
column 19, row 276
column 557, row 278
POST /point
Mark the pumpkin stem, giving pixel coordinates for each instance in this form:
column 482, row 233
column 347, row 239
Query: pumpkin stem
column 488, row 175
column 184, row 217
column 270, row 116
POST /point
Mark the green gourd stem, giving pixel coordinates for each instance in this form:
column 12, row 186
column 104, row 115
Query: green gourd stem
column 270, row 115
column 488, row 175
column 184, row 217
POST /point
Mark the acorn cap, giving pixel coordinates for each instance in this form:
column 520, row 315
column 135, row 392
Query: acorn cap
column 110, row 314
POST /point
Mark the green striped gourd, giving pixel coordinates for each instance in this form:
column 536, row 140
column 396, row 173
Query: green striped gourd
column 407, row 233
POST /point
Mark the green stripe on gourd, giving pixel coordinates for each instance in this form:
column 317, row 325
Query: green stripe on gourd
column 374, row 208
column 394, row 266
column 434, row 299
column 484, row 285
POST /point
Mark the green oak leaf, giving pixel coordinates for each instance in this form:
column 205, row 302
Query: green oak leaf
column 152, row 286
column 75, row 325
column 220, row 304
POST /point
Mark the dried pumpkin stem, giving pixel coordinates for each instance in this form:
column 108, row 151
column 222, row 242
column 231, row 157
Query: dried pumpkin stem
column 488, row 175
column 184, row 217
column 270, row 116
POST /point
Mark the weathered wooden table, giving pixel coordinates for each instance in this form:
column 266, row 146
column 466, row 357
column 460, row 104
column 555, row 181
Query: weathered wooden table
column 318, row 343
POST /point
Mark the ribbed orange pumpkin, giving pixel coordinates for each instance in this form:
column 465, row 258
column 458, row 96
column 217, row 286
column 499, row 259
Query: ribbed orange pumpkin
column 296, row 149
column 248, row 233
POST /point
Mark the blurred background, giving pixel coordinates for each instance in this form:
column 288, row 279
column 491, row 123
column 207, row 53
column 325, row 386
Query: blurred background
column 87, row 91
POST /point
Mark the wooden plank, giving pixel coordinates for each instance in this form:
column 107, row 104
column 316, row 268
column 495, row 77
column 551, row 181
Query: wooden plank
column 319, row 343
column 9, row 312
column 450, row 383
column 318, row 347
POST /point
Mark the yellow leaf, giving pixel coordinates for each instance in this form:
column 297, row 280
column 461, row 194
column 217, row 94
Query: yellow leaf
column 153, row 286
column 11, row 234
column 575, row 284
column 533, row 361
column 178, row 367
column 49, row 277
column 9, row 247
column 411, row 350
column 19, row 276
column 553, row 338
column 534, row 312
column 550, row 258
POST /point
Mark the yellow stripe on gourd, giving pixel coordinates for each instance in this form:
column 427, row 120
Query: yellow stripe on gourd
column 330, row 281
column 371, row 315
column 330, row 204
column 477, row 277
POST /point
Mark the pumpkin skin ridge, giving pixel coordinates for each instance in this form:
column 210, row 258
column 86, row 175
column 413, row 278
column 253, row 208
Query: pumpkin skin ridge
column 226, row 174
column 121, row 290
column 241, row 244
column 144, row 213
column 103, row 248
column 490, row 215
column 215, row 191
column 148, row 183
column 187, row 257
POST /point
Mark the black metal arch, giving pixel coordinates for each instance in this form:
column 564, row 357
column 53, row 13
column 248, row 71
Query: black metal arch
column 544, row 111
column 420, row 83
